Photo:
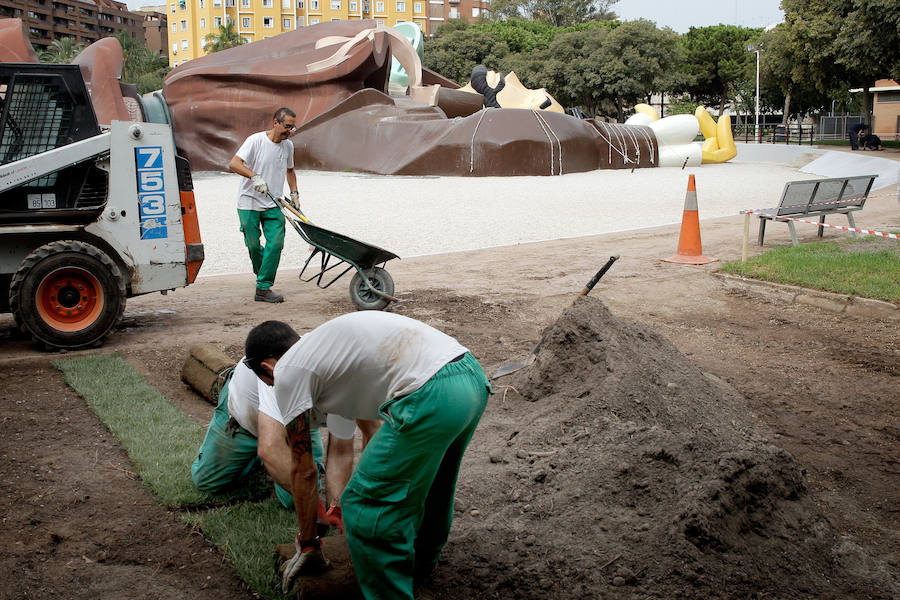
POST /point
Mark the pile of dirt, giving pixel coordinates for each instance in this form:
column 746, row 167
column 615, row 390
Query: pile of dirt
column 618, row 468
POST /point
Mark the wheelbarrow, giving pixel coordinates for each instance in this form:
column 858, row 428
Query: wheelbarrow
column 334, row 254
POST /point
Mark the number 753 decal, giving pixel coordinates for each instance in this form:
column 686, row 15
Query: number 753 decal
column 151, row 189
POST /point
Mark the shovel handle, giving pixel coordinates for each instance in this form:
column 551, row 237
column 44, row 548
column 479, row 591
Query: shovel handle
column 590, row 284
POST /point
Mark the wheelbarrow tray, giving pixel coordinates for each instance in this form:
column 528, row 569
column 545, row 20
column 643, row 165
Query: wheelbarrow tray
column 365, row 256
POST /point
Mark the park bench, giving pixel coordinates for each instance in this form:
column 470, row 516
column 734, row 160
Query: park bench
column 817, row 198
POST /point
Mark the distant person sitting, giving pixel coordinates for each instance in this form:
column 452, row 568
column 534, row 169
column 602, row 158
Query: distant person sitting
column 872, row 142
column 855, row 131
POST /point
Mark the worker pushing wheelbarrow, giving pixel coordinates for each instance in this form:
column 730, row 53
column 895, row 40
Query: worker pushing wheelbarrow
column 371, row 288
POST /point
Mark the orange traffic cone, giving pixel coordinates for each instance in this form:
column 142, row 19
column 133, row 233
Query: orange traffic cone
column 690, row 251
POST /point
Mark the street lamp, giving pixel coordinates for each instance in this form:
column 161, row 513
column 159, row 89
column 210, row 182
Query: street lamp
column 752, row 48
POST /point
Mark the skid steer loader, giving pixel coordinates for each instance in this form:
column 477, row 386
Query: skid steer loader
column 89, row 216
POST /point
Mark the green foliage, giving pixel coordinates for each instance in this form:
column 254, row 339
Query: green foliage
column 61, row 50
column 140, row 65
column 715, row 59
column 558, row 13
column 455, row 54
column 158, row 437
column 248, row 533
column 682, row 106
column 225, row 37
column 868, row 267
column 520, row 35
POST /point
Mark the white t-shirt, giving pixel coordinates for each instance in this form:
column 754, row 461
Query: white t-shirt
column 266, row 158
column 248, row 396
column 351, row 365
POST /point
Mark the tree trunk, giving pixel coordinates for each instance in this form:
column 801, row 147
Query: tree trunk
column 722, row 102
column 867, row 108
column 787, row 109
column 620, row 110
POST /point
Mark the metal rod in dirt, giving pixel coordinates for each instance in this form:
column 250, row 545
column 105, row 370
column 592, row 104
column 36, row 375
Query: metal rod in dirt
column 590, row 285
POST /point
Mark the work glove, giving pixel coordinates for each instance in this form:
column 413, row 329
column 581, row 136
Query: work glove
column 310, row 559
column 295, row 199
column 259, row 184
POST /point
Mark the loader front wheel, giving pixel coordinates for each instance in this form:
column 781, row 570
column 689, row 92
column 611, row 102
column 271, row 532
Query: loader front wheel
column 364, row 297
column 67, row 294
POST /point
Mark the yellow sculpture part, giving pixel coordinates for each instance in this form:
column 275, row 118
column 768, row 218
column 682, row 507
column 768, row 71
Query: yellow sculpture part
column 719, row 146
column 515, row 95
column 647, row 110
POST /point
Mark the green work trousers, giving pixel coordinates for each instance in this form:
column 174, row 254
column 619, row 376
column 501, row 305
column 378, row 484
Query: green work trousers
column 265, row 259
column 228, row 454
column 398, row 505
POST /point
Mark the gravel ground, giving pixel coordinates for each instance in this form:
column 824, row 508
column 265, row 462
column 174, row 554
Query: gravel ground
column 415, row 216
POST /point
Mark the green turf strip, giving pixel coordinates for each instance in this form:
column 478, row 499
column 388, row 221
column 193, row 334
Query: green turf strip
column 160, row 439
column 867, row 267
column 249, row 532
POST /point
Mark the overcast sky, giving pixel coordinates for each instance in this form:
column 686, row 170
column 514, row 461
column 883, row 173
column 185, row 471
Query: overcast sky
column 685, row 14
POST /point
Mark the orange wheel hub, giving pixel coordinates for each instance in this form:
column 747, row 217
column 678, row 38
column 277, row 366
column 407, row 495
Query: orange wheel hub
column 70, row 299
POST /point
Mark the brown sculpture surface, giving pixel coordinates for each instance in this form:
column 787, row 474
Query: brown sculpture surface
column 219, row 99
column 14, row 44
column 101, row 66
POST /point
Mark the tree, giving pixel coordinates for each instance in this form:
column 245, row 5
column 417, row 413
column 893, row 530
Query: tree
column 634, row 60
column 62, row 50
column 715, row 58
column 140, row 65
column 559, row 13
column 226, row 37
column 455, row 54
column 841, row 44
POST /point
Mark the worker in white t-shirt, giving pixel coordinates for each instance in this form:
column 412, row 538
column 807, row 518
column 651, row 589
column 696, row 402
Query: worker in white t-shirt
column 265, row 159
column 246, row 428
column 430, row 392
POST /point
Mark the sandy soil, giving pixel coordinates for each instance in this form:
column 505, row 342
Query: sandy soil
column 553, row 502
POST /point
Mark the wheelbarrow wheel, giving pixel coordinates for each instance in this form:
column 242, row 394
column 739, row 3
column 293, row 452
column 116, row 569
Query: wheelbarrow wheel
column 366, row 299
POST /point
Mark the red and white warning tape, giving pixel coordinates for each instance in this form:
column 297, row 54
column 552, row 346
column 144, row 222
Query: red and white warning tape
column 893, row 236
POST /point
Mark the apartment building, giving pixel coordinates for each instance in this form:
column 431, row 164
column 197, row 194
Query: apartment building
column 85, row 21
column 156, row 28
column 190, row 21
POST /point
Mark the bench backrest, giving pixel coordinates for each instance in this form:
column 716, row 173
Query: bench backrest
column 816, row 195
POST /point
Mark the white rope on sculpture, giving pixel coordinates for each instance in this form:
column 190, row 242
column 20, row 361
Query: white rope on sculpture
column 546, row 126
column 543, row 128
column 472, row 146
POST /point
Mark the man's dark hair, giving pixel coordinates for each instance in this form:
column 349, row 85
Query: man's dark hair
column 283, row 112
column 269, row 339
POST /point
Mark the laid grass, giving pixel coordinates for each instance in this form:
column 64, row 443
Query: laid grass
column 160, row 439
column 856, row 267
column 249, row 532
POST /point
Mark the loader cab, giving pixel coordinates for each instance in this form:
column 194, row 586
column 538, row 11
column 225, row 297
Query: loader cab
column 44, row 107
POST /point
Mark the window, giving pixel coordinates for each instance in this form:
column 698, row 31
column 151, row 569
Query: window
column 379, row 7
column 217, row 21
column 174, row 64
column 313, row 4
column 335, row 4
column 202, row 3
column 245, row 3
column 173, row 8
column 228, row 19
column 401, row 6
column 300, row 3
column 354, row 6
column 202, row 22
column 454, row 12
column 313, row 21
column 436, row 11
column 475, row 11
column 245, row 22
column 285, row 4
column 246, row 39
column 174, row 47
column 184, row 44
column 268, row 22
column 229, row 3
column 217, row 3
column 417, row 8
column 267, row 4
column 203, row 43
column 184, row 24
column 174, row 27
column 285, row 23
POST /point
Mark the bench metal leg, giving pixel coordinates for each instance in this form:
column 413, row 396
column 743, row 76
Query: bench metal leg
column 821, row 230
column 793, row 233
column 852, row 224
column 762, row 230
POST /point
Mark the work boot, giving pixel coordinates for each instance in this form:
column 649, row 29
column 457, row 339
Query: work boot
column 268, row 296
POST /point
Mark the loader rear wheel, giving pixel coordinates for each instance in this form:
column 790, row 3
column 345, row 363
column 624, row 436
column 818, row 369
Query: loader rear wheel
column 366, row 299
column 67, row 294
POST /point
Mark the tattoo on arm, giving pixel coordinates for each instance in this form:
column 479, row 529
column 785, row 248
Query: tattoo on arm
column 298, row 436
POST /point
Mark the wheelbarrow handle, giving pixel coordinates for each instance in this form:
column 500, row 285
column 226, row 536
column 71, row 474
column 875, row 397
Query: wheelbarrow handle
column 295, row 211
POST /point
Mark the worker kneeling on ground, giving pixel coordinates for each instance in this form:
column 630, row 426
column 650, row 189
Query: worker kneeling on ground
column 431, row 393
column 246, row 427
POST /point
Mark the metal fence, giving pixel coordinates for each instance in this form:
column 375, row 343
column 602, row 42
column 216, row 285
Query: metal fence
column 794, row 133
